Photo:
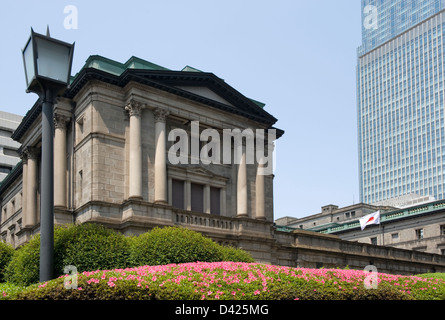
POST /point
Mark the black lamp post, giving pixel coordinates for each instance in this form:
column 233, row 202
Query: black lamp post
column 47, row 64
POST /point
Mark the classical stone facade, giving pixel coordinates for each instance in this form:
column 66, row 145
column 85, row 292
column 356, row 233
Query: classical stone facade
column 113, row 149
column 420, row 227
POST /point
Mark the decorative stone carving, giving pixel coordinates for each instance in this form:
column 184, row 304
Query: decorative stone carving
column 160, row 114
column 134, row 108
column 31, row 153
column 60, row 121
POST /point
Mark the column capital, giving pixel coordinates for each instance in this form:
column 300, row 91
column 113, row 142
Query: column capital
column 160, row 114
column 60, row 121
column 31, row 153
column 24, row 156
column 134, row 108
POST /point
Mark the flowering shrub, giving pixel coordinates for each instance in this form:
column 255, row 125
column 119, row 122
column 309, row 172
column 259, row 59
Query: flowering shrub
column 234, row 281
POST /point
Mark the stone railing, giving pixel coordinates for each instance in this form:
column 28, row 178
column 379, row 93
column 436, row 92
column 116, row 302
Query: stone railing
column 208, row 221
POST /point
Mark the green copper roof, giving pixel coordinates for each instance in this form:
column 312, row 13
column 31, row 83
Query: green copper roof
column 190, row 69
column 386, row 217
column 116, row 68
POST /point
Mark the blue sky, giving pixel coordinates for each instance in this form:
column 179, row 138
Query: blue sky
column 297, row 56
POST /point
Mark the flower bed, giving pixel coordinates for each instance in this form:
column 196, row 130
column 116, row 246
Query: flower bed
column 235, row 281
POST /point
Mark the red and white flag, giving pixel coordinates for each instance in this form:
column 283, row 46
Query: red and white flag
column 373, row 218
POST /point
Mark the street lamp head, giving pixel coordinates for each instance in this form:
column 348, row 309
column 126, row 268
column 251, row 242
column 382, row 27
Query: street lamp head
column 47, row 63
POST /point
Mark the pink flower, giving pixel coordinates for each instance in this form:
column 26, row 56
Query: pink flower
column 111, row 284
column 257, row 292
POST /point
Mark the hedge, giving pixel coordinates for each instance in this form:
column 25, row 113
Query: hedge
column 168, row 245
column 86, row 246
column 93, row 247
column 6, row 253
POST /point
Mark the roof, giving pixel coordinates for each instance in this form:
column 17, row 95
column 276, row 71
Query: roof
column 147, row 73
column 388, row 217
column 11, row 177
column 135, row 69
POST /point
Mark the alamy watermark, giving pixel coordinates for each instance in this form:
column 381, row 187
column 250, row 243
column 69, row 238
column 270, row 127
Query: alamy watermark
column 258, row 147
column 70, row 281
column 371, row 280
column 71, row 20
column 370, row 21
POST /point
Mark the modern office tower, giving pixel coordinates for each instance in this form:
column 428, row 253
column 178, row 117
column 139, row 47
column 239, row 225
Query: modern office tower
column 8, row 147
column 400, row 97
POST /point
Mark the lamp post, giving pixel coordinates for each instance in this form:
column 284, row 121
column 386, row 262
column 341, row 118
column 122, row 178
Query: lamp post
column 47, row 63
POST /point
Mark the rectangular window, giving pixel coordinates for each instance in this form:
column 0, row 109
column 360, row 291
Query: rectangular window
column 178, row 194
column 197, row 197
column 374, row 241
column 419, row 234
column 442, row 230
column 215, row 201
column 395, row 236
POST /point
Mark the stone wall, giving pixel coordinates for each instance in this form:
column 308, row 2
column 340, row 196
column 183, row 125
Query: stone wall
column 315, row 250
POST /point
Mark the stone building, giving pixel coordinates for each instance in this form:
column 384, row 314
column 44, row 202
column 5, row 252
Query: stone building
column 132, row 145
column 8, row 147
column 420, row 227
column 112, row 144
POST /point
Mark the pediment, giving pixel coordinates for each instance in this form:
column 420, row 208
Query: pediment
column 206, row 93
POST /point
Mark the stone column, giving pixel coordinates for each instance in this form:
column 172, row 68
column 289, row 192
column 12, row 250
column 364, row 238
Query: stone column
column 160, row 157
column 206, row 198
column 223, row 200
column 135, row 165
column 60, row 161
column 188, row 195
column 259, row 193
column 241, row 186
column 32, row 180
column 24, row 158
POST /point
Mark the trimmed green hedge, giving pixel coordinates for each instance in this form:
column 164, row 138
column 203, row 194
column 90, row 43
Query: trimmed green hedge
column 86, row 246
column 93, row 247
column 168, row 245
column 6, row 253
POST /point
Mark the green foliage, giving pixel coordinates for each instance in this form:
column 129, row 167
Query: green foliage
column 433, row 275
column 86, row 246
column 7, row 290
column 24, row 266
column 233, row 281
column 235, row 254
column 89, row 247
column 6, row 252
column 169, row 245
column 176, row 245
column 93, row 247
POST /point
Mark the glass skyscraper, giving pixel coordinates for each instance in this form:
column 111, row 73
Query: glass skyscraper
column 400, row 98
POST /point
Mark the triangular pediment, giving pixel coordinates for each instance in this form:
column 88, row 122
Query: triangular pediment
column 190, row 83
column 206, row 93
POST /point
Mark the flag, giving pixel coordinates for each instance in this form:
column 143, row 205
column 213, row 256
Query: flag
column 373, row 218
